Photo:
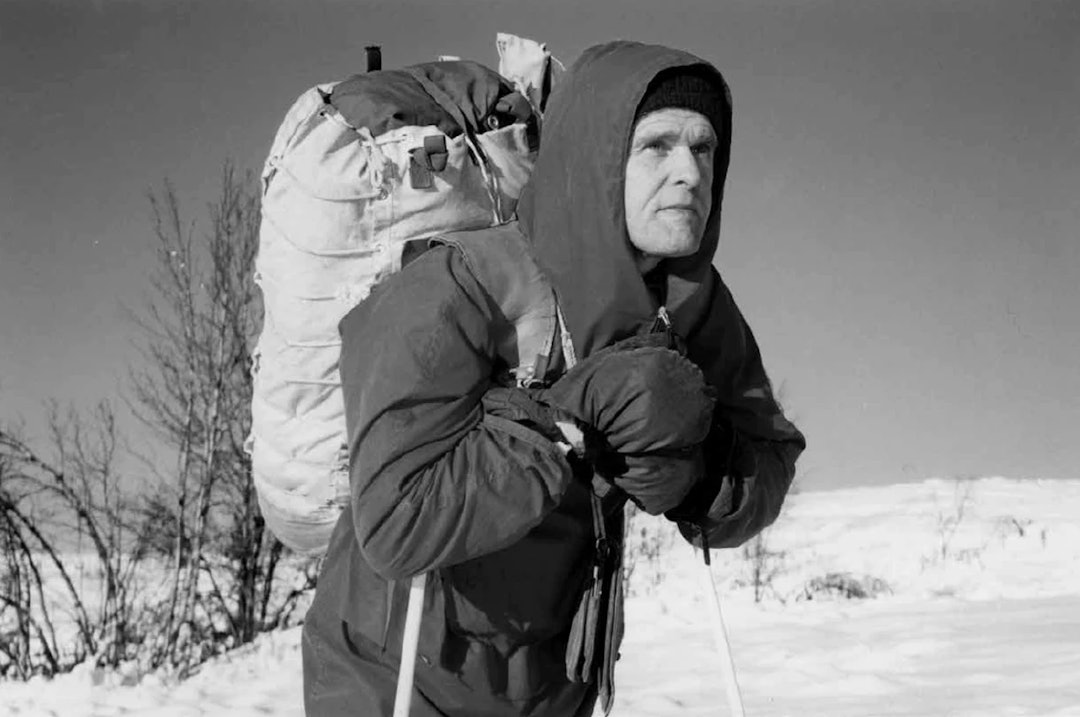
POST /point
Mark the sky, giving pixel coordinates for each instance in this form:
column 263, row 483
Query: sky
column 901, row 221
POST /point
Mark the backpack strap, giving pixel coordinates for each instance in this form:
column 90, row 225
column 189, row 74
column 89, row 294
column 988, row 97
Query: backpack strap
column 501, row 261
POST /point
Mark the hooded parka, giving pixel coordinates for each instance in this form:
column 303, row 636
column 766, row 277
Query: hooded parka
column 494, row 512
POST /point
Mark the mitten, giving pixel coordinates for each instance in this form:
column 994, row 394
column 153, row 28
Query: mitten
column 642, row 399
column 655, row 482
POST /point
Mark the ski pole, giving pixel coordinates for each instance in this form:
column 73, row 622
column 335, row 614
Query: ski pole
column 410, row 642
column 720, row 637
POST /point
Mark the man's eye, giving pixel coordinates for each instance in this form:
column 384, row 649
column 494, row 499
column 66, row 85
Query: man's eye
column 706, row 148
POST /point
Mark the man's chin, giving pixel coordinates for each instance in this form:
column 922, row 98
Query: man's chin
column 684, row 242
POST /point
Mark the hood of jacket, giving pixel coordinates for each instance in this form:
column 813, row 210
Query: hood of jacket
column 572, row 209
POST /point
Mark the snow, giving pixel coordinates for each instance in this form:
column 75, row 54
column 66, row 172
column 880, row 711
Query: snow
column 981, row 618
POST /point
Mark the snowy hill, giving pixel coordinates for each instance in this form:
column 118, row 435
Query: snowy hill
column 977, row 613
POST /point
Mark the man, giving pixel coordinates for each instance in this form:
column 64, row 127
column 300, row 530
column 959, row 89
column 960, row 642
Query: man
column 509, row 492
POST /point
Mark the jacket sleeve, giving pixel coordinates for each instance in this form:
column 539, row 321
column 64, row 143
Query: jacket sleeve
column 756, row 445
column 433, row 480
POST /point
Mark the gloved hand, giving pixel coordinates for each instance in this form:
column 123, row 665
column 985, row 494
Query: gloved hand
column 728, row 460
column 641, row 398
column 655, row 482
column 646, row 409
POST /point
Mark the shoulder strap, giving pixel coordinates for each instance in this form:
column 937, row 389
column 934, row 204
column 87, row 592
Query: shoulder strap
column 501, row 260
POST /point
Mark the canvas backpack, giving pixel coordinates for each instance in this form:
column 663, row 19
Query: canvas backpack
column 359, row 168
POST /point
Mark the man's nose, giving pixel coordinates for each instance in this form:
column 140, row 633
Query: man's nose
column 685, row 168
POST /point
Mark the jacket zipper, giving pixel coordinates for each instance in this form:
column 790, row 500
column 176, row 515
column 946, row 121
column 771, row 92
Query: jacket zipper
column 663, row 323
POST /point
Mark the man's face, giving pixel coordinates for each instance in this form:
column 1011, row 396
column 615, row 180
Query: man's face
column 668, row 192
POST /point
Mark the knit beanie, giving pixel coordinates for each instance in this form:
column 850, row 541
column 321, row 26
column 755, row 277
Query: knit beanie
column 687, row 88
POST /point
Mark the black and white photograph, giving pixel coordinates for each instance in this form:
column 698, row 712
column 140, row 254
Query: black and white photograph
column 492, row 358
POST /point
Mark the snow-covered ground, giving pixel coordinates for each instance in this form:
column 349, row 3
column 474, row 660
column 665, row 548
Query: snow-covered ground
column 978, row 614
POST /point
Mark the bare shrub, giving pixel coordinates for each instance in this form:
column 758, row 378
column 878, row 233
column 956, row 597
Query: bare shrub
column 764, row 565
column 195, row 392
column 947, row 523
column 647, row 540
column 192, row 535
column 949, row 519
column 48, row 505
column 845, row 586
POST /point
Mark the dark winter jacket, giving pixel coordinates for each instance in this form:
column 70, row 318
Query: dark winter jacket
column 492, row 510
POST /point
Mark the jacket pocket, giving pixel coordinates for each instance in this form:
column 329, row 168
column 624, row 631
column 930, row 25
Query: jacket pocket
column 518, row 596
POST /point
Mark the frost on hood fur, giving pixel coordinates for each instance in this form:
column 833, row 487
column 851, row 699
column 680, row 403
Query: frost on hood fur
column 572, row 210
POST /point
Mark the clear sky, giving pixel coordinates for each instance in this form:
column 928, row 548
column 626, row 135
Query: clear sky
column 902, row 219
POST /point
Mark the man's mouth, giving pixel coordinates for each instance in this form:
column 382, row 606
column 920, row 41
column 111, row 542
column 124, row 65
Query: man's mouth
column 681, row 209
